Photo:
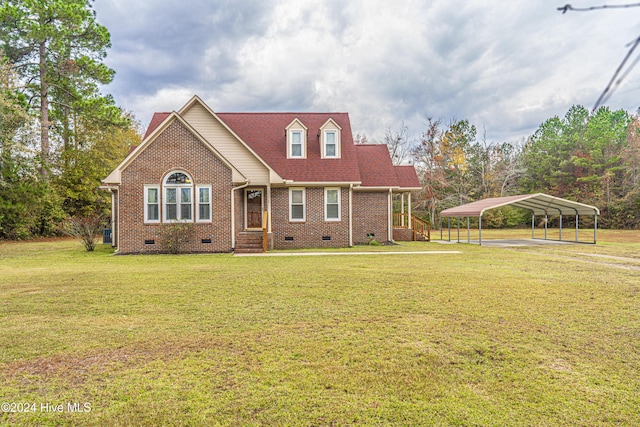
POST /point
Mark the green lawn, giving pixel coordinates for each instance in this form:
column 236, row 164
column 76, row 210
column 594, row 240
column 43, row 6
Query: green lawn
column 544, row 336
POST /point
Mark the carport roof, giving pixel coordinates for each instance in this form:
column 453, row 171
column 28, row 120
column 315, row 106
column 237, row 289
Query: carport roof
column 539, row 204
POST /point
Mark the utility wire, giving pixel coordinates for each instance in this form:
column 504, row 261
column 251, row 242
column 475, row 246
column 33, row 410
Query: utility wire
column 615, row 81
column 568, row 7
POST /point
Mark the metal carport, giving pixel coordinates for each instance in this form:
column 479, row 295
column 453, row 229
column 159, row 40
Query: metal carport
column 538, row 204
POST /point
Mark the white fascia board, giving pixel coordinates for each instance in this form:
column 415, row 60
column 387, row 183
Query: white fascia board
column 290, row 183
column 196, row 99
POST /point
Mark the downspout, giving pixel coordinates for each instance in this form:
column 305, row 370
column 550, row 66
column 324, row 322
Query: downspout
column 350, row 215
column 390, row 221
column 233, row 213
column 116, row 237
column 114, row 226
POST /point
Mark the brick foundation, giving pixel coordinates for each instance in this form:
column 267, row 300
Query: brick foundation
column 403, row 234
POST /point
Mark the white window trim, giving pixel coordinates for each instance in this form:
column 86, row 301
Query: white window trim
column 146, row 204
column 178, row 187
column 303, row 146
column 197, row 200
column 337, row 143
column 304, row 205
column 326, row 218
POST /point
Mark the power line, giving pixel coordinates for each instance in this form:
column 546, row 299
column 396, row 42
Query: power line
column 615, row 81
column 568, row 7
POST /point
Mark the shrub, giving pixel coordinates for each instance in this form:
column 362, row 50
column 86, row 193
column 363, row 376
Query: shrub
column 174, row 236
column 86, row 229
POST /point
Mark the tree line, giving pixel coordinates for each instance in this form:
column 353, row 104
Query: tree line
column 592, row 158
column 59, row 135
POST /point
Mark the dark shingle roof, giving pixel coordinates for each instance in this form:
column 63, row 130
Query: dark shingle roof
column 265, row 133
column 376, row 169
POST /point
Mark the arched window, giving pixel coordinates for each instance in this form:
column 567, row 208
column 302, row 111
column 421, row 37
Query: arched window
column 178, row 197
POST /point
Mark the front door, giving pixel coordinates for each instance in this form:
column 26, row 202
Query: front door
column 253, row 208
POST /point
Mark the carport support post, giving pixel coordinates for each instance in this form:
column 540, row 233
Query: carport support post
column 595, row 228
column 577, row 219
column 458, row 229
column 449, row 226
column 440, row 228
column 533, row 221
column 560, row 227
column 546, row 224
column 480, row 229
column 468, row 231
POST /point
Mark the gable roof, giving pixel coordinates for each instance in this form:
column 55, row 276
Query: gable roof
column 539, row 204
column 265, row 134
column 156, row 121
column 366, row 165
column 114, row 177
column 407, row 177
column 375, row 166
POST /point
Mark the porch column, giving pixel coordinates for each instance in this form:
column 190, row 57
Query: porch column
column 402, row 210
column 269, row 208
column 410, row 221
column 390, row 214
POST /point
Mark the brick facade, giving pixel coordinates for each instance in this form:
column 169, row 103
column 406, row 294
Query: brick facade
column 403, row 234
column 176, row 148
column 314, row 232
column 370, row 216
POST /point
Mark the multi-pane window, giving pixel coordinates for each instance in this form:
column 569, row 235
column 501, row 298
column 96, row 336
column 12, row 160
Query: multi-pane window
column 204, row 204
column 330, row 143
column 296, row 143
column 178, row 199
column 332, row 204
column 152, row 203
column 296, row 204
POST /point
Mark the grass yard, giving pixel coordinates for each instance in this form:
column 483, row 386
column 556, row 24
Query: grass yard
column 545, row 336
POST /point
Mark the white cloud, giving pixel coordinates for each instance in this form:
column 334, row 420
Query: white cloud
column 505, row 65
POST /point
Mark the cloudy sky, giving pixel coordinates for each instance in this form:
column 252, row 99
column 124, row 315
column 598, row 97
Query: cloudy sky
column 505, row 65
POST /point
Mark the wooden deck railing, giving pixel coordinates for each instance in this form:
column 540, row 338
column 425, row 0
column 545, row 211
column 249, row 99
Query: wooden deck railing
column 400, row 220
column 419, row 226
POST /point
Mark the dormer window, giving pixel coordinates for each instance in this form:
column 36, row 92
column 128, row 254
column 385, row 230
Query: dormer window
column 296, row 134
column 330, row 140
column 330, row 143
column 296, row 143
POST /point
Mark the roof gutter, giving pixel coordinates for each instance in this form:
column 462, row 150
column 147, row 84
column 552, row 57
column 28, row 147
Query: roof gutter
column 290, row 182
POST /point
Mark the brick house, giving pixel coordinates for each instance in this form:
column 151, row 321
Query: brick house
column 227, row 172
